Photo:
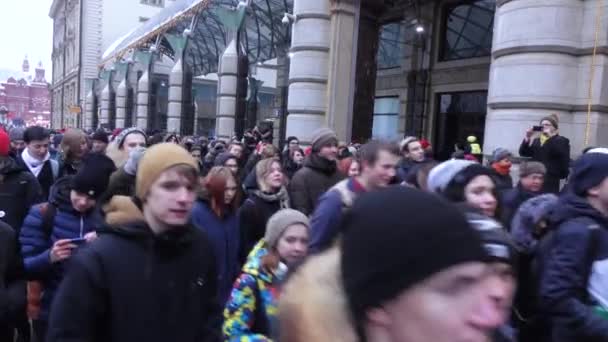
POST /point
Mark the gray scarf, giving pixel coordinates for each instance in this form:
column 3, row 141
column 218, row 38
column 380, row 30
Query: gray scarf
column 281, row 196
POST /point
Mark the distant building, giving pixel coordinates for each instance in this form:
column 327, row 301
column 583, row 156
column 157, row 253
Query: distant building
column 82, row 31
column 26, row 97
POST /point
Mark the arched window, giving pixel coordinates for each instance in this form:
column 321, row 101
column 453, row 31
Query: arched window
column 468, row 29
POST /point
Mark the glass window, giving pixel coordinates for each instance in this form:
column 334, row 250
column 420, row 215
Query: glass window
column 390, row 46
column 468, row 29
column 386, row 118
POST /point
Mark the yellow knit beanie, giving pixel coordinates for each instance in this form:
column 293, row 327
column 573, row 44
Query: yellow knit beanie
column 157, row 159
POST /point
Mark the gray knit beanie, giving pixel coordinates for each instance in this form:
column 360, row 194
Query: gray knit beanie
column 530, row 168
column 442, row 174
column 16, row 133
column 280, row 221
column 323, row 137
column 500, row 154
column 134, row 158
column 120, row 139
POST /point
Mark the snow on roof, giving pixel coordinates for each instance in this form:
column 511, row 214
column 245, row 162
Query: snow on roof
column 157, row 24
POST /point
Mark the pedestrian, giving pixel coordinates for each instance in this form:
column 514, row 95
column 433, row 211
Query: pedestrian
column 128, row 139
column 230, row 161
column 17, row 141
column 269, row 197
column 19, row 189
column 529, row 227
column 544, row 144
column 293, row 162
column 412, row 154
column 319, row 173
column 251, row 311
column 171, row 138
column 349, row 167
column 54, row 231
column 379, row 163
column 12, row 285
column 37, row 159
column 531, row 179
column 122, row 181
column 100, row 141
column 573, row 292
column 473, row 148
column 197, row 153
column 291, row 144
column 151, row 275
column 502, row 264
column 236, row 149
column 501, row 163
column 262, row 151
column 464, row 181
column 217, row 147
column 73, row 150
column 215, row 212
column 394, row 289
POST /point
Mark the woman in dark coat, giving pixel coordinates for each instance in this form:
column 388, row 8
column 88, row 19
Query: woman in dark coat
column 551, row 149
column 215, row 212
column 270, row 196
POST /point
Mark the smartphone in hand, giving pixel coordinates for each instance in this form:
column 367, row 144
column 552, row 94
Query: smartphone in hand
column 78, row 241
column 537, row 128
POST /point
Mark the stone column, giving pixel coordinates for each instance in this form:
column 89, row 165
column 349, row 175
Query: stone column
column 226, row 92
column 539, row 68
column 104, row 118
column 342, row 66
column 121, row 104
column 308, row 74
column 176, row 82
column 143, row 88
column 89, row 111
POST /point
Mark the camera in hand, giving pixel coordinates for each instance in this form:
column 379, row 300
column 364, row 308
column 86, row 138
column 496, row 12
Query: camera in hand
column 537, row 128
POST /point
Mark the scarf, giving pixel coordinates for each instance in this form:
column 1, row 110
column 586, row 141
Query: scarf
column 282, row 196
column 34, row 164
column 502, row 169
column 543, row 139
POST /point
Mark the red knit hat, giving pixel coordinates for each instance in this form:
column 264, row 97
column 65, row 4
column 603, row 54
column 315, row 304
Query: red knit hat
column 5, row 143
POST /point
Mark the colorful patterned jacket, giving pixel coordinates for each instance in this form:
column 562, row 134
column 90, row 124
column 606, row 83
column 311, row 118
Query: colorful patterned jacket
column 251, row 311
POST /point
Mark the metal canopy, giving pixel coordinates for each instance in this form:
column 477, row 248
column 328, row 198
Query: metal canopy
column 264, row 38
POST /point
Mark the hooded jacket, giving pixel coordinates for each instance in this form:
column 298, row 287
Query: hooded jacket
column 312, row 181
column 575, row 272
column 36, row 245
column 250, row 314
column 133, row 285
column 19, row 190
column 223, row 233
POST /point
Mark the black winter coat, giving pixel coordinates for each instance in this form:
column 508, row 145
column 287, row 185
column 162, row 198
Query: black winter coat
column 121, row 184
column 253, row 216
column 131, row 285
column 575, row 261
column 511, row 201
column 554, row 154
column 308, row 184
column 12, row 283
column 19, row 190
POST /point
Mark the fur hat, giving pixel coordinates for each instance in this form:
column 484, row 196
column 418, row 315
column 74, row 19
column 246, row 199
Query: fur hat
column 323, row 137
column 155, row 161
column 530, row 168
column 280, row 221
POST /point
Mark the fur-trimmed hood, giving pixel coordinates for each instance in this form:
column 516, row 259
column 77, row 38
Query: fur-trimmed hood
column 313, row 305
column 118, row 156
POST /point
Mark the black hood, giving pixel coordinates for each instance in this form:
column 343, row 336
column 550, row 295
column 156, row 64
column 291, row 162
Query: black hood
column 59, row 194
column 140, row 231
column 571, row 206
column 320, row 164
column 9, row 166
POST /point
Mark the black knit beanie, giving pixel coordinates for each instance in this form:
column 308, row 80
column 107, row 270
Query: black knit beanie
column 396, row 238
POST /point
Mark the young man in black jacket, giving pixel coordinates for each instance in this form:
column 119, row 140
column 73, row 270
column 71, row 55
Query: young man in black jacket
column 150, row 275
column 12, row 284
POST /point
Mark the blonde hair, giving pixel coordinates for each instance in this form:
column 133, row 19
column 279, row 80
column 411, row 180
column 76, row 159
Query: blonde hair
column 263, row 169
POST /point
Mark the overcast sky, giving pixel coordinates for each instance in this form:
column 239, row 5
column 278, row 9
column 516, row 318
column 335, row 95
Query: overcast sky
column 25, row 29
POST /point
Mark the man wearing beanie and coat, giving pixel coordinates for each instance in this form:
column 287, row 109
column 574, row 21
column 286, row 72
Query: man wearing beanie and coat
column 17, row 141
column 531, row 180
column 71, row 221
column 573, row 292
column 549, row 148
column 319, row 173
column 150, row 275
column 410, row 276
column 100, row 141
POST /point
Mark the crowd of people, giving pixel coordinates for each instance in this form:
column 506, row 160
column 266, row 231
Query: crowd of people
column 125, row 236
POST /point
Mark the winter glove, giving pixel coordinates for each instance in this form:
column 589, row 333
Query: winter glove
column 134, row 157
